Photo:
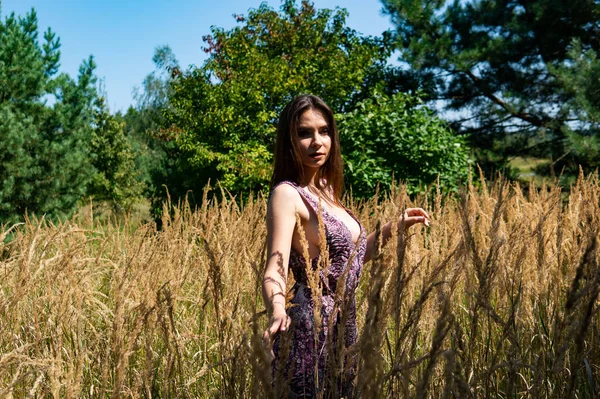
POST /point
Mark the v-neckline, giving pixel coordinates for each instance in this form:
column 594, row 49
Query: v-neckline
column 317, row 199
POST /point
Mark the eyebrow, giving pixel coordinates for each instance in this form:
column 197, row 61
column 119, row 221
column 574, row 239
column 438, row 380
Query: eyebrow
column 306, row 127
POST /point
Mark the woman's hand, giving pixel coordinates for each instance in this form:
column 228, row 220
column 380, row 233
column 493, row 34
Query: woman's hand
column 409, row 217
column 280, row 321
column 412, row 216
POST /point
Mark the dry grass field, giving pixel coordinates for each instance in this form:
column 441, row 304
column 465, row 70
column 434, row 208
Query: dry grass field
column 497, row 299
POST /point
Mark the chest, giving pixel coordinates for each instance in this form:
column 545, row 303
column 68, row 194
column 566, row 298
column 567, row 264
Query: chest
column 337, row 220
column 346, row 244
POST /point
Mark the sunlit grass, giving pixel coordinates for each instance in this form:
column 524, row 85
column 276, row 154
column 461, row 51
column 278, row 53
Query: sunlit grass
column 497, row 299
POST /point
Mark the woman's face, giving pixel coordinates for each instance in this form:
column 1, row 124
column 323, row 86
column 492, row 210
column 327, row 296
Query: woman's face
column 314, row 138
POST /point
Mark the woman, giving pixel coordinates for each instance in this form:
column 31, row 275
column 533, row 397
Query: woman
column 308, row 178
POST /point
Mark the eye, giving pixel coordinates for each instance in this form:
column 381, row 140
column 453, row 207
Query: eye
column 303, row 133
column 325, row 131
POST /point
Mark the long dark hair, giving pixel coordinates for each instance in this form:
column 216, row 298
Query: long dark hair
column 288, row 159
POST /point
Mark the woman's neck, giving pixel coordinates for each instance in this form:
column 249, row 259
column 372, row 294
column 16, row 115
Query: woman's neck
column 319, row 188
column 310, row 179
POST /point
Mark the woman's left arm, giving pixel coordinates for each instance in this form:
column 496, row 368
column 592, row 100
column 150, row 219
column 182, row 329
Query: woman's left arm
column 409, row 217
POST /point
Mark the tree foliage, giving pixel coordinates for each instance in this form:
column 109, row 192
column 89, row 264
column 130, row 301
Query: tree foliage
column 44, row 149
column 117, row 180
column 224, row 113
column 152, row 98
column 58, row 141
column 158, row 159
column 581, row 79
column 395, row 138
column 502, row 66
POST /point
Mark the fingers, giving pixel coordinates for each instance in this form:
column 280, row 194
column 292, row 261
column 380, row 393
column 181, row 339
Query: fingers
column 412, row 220
column 272, row 329
column 277, row 324
column 416, row 212
column 288, row 322
column 415, row 215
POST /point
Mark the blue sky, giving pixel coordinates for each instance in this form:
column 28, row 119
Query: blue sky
column 122, row 34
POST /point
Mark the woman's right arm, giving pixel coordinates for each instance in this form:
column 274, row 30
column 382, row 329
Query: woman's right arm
column 281, row 221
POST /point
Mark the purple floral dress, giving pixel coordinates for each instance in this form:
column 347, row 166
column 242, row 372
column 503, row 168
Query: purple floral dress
column 307, row 355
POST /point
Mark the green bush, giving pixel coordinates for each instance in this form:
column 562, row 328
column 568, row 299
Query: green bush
column 387, row 138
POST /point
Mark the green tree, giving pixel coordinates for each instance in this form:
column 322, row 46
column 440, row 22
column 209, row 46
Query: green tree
column 580, row 78
column 223, row 114
column 45, row 165
column 494, row 64
column 152, row 97
column 157, row 157
column 395, row 138
column 117, row 179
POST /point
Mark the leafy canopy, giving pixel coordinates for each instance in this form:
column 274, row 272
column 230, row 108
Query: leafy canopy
column 58, row 141
column 44, row 149
column 223, row 114
column 581, row 80
column 117, row 180
column 388, row 138
column 157, row 157
column 506, row 68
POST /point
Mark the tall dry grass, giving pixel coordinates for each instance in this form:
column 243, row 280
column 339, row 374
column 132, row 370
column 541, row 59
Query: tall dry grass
column 499, row 298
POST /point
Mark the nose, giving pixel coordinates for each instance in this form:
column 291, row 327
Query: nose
column 317, row 140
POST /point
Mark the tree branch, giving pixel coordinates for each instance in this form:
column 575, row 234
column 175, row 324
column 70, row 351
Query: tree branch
column 532, row 119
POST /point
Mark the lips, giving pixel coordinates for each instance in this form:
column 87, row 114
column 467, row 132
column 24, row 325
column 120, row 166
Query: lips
column 317, row 155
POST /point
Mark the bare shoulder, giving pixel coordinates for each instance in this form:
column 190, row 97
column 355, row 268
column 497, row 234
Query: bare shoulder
column 284, row 199
column 285, row 191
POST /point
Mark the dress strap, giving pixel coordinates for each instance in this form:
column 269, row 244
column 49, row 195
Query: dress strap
column 308, row 199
